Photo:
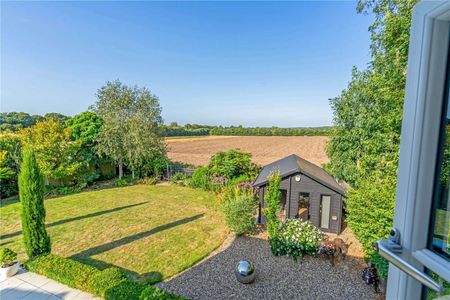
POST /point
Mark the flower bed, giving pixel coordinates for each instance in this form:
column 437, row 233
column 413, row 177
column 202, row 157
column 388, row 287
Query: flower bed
column 296, row 238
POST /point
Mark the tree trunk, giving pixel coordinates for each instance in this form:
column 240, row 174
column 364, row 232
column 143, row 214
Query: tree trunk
column 120, row 169
column 132, row 174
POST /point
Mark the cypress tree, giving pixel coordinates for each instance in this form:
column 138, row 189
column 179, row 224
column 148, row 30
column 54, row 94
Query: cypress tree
column 31, row 194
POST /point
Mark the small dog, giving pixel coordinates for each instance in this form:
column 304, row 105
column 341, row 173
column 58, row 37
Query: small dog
column 342, row 247
column 328, row 249
column 333, row 249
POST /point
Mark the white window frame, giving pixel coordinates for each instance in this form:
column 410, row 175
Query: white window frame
column 418, row 148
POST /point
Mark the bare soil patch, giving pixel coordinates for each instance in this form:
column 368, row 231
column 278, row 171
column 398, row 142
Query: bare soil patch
column 264, row 149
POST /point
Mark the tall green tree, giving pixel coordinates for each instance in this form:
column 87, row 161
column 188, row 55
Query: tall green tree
column 31, row 193
column 365, row 142
column 132, row 130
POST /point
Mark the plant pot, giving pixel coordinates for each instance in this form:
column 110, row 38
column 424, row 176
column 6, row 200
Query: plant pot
column 9, row 271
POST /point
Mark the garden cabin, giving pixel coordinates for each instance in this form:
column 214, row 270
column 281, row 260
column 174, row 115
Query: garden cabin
column 308, row 193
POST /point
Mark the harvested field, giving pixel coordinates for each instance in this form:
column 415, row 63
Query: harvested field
column 265, row 149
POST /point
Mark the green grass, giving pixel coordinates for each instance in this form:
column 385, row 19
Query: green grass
column 151, row 232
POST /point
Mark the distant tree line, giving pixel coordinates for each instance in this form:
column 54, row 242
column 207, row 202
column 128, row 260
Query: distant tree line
column 14, row 121
column 201, row 130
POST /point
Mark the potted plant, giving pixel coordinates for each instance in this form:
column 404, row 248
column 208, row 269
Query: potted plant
column 9, row 264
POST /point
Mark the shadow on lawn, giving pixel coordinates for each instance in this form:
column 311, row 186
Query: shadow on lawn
column 150, row 277
column 60, row 222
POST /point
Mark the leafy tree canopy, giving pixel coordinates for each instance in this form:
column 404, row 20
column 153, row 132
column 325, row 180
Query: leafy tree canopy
column 56, row 153
column 132, row 125
column 56, row 117
column 85, row 126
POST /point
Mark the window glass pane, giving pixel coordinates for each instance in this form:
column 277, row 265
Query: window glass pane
column 303, row 206
column 440, row 222
column 325, row 215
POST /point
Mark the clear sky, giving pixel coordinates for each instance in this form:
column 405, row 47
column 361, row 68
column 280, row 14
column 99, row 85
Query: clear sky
column 249, row 63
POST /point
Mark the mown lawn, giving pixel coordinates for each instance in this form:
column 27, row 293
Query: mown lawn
column 151, row 232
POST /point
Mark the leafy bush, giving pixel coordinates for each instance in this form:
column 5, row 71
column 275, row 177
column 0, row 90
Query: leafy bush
column 201, row 179
column 380, row 264
column 125, row 181
column 31, row 194
column 110, row 283
column 121, row 182
column 180, row 179
column 64, row 190
column 232, row 163
column 7, row 257
column 240, row 213
column 297, row 238
column 240, row 179
column 233, row 190
column 148, row 180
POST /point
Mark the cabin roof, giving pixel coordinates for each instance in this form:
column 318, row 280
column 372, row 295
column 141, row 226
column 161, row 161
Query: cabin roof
column 294, row 164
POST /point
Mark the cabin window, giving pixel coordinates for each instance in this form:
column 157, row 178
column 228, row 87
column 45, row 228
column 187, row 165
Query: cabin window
column 303, row 206
column 325, row 206
column 283, row 201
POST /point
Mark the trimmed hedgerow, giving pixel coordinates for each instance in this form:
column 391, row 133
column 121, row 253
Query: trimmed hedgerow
column 106, row 280
column 125, row 290
column 150, row 293
column 110, row 283
column 64, row 270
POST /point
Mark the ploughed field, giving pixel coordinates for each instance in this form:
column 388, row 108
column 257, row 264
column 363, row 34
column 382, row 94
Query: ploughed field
column 151, row 232
column 264, row 149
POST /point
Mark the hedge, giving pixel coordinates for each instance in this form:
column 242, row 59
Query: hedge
column 110, row 283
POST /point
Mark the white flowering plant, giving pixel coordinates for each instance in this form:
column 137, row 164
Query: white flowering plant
column 297, row 238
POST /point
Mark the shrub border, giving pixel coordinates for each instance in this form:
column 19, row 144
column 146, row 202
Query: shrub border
column 110, row 283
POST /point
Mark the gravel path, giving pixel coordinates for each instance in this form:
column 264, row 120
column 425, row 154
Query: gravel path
column 276, row 277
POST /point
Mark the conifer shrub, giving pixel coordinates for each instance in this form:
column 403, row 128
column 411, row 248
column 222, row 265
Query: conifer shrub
column 31, row 195
column 272, row 199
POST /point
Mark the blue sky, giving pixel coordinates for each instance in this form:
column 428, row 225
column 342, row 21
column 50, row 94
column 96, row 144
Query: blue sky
column 249, row 63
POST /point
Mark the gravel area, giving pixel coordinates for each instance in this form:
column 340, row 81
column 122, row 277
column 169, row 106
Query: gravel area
column 276, row 277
